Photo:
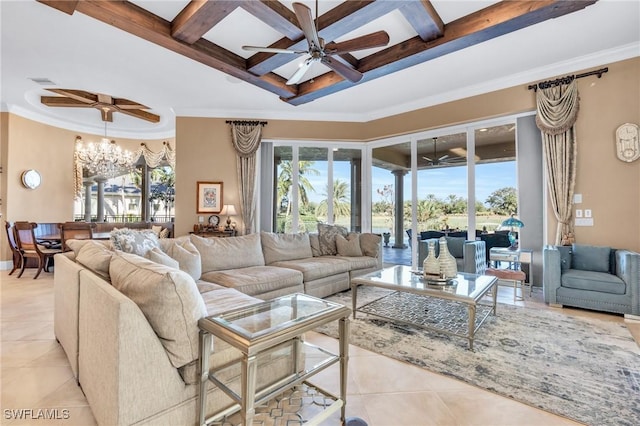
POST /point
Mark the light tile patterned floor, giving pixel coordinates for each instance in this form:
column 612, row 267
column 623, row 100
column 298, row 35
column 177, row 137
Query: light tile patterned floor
column 384, row 392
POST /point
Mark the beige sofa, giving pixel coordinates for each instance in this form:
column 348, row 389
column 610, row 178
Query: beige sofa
column 134, row 364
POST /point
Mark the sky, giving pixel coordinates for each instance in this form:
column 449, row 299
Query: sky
column 440, row 182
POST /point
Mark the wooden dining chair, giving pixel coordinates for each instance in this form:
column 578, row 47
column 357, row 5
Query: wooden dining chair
column 17, row 256
column 75, row 231
column 29, row 248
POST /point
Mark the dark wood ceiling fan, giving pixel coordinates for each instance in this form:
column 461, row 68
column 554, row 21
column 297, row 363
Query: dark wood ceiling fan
column 328, row 53
column 106, row 104
column 444, row 159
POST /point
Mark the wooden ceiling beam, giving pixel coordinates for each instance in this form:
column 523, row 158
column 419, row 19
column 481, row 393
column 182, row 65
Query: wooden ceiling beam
column 486, row 24
column 198, row 17
column 423, row 18
column 62, row 101
column 144, row 24
column 276, row 15
column 337, row 22
column 78, row 95
column 144, row 115
column 66, row 6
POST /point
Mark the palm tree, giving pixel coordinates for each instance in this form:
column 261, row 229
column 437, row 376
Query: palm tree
column 285, row 180
column 341, row 201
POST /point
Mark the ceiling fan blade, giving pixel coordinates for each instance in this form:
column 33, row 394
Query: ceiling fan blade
column 143, row 115
column 377, row 39
column 122, row 103
column 305, row 19
column 297, row 76
column 271, row 50
column 78, row 95
column 427, row 158
column 346, row 71
column 63, row 101
column 444, row 157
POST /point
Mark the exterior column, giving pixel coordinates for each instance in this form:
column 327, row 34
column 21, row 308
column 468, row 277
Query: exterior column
column 399, row 228
column 87, row 183
column 100, row 212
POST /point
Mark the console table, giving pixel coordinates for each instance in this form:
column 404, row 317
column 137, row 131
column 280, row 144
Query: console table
column 515, row 258
column 261, row 328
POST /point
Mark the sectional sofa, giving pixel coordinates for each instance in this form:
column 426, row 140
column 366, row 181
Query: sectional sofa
column 126, row 311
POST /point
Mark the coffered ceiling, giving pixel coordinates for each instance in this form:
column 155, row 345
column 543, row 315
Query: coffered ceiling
column 182, row 57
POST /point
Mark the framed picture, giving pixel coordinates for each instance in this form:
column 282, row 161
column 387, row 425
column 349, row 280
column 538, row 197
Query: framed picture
column 209, row 197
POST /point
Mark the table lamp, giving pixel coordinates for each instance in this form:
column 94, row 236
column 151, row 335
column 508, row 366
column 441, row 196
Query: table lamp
column 229, row 210
column 512, row 222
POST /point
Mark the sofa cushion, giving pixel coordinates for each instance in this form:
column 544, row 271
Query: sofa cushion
column 255, row 280
column 456, row 246
column 95, row 257
column 348, row 247
column 327, row 238
column 602, row 282
column 76, row 245
column 359, row 262
column 313, row 268
column 590, row 258
column 276, row 247
column 370, row 244
column 314, row 242
column 136, row 241
column 219, row 254
column 187, row 255
column 167, row 297
column 205, row 286
column 158, row 256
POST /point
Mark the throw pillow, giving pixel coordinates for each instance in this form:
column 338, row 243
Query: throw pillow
column 590, row 258
column 134, row 241
column 370, row 244
column 187, row 255
column 456, row 246
column 96, row 257
column 167, row 297
column 156, row 229
column 76, row 245
column 327, row 238
column 314, row 242
column 158, row 256
column 350, row 247
column 279, row 247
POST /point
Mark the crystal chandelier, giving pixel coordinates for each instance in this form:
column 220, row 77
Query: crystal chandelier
column 105, row 159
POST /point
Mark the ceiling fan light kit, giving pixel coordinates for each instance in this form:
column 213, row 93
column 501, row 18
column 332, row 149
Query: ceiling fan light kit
column 326, row 54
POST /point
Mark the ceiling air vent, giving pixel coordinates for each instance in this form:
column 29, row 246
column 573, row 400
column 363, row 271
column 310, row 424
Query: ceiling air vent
column 42, row 81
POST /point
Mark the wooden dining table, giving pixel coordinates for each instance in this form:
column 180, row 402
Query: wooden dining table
column 56, row 237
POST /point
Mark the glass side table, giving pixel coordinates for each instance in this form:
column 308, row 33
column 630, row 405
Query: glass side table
column 259, row 328
column 515, row 258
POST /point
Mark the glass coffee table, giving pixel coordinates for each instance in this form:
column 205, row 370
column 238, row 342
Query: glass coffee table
column 452, row 308
column 260, row 330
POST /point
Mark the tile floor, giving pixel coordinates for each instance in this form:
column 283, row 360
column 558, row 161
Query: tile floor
column 36, row 374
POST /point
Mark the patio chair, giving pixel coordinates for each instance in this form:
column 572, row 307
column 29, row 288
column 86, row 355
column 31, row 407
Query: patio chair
column 17, row 256
column 27, row 244
column 75, row 231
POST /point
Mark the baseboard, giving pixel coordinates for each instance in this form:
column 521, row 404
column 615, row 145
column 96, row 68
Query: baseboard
column 631, row 317
column 6, row 265
column 556, row 305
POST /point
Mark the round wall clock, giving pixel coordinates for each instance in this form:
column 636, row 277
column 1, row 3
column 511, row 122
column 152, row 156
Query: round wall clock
column 214, row 220
column 627, row 144
column 31, row 179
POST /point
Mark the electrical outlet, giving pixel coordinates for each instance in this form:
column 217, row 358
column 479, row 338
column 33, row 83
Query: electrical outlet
column 578, row 212
column 587, row 213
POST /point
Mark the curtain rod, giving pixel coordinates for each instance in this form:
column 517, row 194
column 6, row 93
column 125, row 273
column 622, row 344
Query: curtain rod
column 247, row 123
column 566, row 80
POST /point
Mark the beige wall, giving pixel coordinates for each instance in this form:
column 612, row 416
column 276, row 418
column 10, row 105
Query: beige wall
column 610, row 188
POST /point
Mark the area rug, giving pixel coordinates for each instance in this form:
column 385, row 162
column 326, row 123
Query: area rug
column 582, row 368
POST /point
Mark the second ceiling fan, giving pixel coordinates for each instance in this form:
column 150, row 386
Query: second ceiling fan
column 444, row 159
column 327, row 54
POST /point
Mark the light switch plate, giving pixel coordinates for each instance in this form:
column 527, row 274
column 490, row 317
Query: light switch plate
column 584, row 222
column 578, row 212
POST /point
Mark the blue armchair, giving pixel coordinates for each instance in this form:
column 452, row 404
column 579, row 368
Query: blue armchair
column 592, row 277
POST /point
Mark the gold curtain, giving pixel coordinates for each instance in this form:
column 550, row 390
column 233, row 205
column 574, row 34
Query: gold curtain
column 246, row 141
column 557, row 108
